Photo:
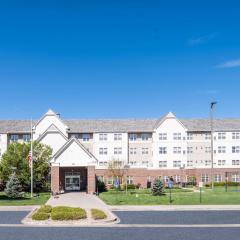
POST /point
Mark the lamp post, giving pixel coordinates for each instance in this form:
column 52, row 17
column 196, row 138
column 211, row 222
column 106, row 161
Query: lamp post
column 212, row 104
column 126, row 167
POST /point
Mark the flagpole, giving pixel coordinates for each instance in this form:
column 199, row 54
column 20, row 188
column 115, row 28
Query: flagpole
column 31, row 159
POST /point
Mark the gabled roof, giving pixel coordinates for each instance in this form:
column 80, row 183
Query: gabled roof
column 169, row 115
column 53, row 129
column 122, row 125
column 67, row 144
column 50, row 112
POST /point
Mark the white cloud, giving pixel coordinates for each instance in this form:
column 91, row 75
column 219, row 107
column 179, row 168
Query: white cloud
column 201, row 39
column 230, row 64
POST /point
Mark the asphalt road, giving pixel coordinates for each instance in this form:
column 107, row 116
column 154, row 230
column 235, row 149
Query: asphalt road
column 179, row 217
column 125, row 230
column 31, row 233
column 12, row 217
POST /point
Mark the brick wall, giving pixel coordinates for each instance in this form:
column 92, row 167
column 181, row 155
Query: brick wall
column 55, row 179
column 91, row 181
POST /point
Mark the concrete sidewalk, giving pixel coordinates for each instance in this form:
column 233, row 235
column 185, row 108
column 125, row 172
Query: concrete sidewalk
column 18, row 208
column 175, row 208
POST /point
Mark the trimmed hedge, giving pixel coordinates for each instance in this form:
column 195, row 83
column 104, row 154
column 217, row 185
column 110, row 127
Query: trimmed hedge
column 98, row 214
column 39, row 216
column 68, row 213
column 45, row 209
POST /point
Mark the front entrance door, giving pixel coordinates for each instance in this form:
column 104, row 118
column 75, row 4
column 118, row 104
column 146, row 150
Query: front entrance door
column 72, row 182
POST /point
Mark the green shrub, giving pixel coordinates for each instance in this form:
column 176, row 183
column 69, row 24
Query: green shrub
column 68, row 213
column 129, row 186
column 157, row 187
column 40, row 216
column 45, row 209
column 101, row 186
column 98, row 214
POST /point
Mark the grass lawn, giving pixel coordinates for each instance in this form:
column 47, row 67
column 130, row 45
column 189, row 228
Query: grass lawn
column 40, row 200
column 179, row 197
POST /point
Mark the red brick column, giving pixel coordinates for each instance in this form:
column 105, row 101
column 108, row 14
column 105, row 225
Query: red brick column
column 91, row 180
column 55, row 179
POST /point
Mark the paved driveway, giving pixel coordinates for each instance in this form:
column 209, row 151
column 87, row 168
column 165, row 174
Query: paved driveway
column 77, row 199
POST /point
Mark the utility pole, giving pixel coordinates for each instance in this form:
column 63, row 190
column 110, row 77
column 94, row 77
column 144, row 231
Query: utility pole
column 31, row 159
column 212, row 104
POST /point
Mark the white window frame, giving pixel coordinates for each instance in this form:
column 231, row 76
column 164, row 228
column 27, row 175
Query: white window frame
column 117, row 136
column 162, row 136
column 177, row 136
column 162, row 150
column 103, row 137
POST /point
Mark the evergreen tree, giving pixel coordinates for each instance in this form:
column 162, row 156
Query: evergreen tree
column 157, row 187
column 13, row 188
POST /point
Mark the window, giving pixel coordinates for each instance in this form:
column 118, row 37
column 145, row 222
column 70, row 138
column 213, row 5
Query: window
column 14, row 137
column 207, row 162
column 189, row 149
column 221, row 162
column 165, row 179
column 129, row 179
column 133, row 136
column 103, row 137
column 235, row 149
column 26, row 137
column 100, row 178
column 221, row 135
column 217, row 178
column 162, row 164
column 177, row 136
column 205, row 178
column 162, row 136
column 74, row 135
column 133, row 151
column 103, row 151
column 117, row 136
column 103, row 164
column 177, row 163
column 236, row 178
column 235, row 162
column 86, row 137
column 110, row 180
column 236, row 135
column 207, row 136
column 177, row 178
column 145, row 136
column 177, row 150
column 117, row 150
column 162, row 150
column 144, row 150
column 133, row 163
column 221, row 149
column 189, row 163
column 189, row 136
column 145, row 163
column 207, row 149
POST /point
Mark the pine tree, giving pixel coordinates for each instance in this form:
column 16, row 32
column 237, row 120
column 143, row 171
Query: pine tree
column 13, row 187
column 157, row 187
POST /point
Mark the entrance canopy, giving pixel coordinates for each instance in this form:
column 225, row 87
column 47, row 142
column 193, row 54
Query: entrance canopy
column 73, row 154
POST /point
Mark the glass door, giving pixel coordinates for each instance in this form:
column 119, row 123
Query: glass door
column 72, row 183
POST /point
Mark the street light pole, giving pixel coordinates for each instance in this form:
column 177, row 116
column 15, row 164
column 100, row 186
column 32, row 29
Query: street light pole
column 212, row 104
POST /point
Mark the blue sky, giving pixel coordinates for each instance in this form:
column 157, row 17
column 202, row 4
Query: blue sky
column 119, row 59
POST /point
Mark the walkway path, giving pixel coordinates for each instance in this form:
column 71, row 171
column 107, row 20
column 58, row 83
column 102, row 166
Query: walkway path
column 77, row 199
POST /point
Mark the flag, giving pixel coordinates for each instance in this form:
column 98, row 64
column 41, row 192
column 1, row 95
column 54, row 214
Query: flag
column 30, row 159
